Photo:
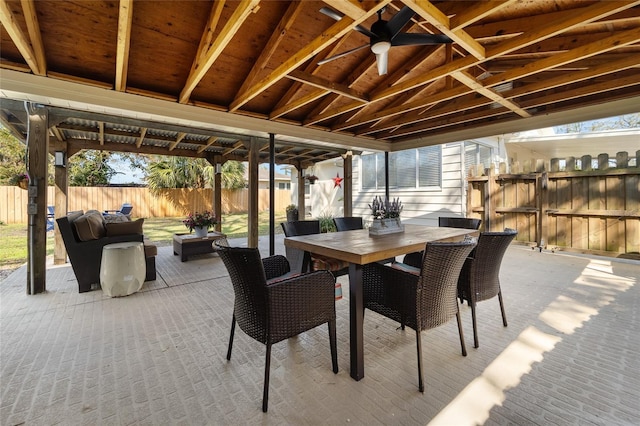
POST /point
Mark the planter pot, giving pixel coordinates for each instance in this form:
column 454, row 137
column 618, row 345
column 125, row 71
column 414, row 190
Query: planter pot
column 23, row 184
column 386, row 226
column 201, row 231
column 292, row 216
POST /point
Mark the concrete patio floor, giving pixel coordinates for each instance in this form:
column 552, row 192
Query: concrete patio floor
column 570, row 354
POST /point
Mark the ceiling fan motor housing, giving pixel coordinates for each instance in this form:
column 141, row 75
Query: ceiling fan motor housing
column 381, row 43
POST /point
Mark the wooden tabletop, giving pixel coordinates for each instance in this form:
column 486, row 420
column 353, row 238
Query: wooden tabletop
column 360, row 248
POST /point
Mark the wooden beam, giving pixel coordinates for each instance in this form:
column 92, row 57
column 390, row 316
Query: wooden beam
column 143, row 132
column 470, row 81
column 205, row 58
column 435, row 17
column 301, row 101
column 210, row 142
column 327, row 85
column 477, row 11
column 19, row 39
column 236, row 146
column 101, row 132
column 35, row 36
column 333, row 33
column 179, row 139
column 125, row 19
column 276, row 38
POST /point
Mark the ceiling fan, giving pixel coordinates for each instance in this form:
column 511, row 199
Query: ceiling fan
column 384, row 34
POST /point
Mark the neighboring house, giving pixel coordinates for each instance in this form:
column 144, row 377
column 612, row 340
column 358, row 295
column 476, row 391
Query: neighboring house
column 431, row 181
column 281, row 181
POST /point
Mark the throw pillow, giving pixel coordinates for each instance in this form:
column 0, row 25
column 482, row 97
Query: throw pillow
column 89, row 226
column 124, row 228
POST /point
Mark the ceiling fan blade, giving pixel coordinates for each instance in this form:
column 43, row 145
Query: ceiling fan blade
column 399, row 20
column 341, row 55
column 381, row 61
column 409, row 39
column 338, row 16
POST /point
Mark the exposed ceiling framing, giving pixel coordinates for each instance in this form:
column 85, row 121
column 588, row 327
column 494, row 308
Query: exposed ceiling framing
column 511, row 63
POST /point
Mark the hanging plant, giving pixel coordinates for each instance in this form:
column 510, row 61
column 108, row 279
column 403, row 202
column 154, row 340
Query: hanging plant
column 312, row 179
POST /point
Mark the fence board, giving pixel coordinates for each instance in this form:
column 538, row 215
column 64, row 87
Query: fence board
column 591, row 210
column 168, row 203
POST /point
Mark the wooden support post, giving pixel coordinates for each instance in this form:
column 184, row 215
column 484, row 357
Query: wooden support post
column 301, row 206
column 37, row 162
column 272, row 195
column 586, row 163
column 217, row 194
column 254, row 157
column 60, row 208
column 348, row 185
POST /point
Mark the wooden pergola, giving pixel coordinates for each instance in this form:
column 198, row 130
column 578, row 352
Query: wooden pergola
column 246, row 79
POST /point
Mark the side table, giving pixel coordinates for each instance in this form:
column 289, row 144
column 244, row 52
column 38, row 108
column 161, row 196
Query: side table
column 122, row 269
column 187, row 245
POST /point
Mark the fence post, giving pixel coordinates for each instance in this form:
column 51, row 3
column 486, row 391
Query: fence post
column 622, row 160
column 542, row 205
column 490, row 186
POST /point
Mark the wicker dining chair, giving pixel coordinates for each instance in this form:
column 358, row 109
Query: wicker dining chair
column 272, row 305
column 337, row 267
column 421, row 298
column 480, row 276
column 415, row 258
column 348, row 223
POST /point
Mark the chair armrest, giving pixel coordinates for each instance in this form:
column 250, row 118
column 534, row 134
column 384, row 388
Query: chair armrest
column 275, row 266
column 313, row 288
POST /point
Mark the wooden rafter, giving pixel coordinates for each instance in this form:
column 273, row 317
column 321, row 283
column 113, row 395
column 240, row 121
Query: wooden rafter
column 336, row 31
column 236, row 146
column 209, row 53
column 327, row 85
column 20, row 39
column 179, row 139
column 33, row 28
column 435, row 17
column 210, row 142
column 125, row 20
column 469, row 81
column 475, row 12
column 276, row 38
column 143, row 132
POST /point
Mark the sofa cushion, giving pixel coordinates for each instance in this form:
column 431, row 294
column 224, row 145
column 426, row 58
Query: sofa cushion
column 89, row 226
column 115, row 218
column 124, row 228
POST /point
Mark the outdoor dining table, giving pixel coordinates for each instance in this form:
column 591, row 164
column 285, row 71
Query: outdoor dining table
column 358, row 248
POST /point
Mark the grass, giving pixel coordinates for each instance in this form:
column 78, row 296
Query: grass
column 13, row 238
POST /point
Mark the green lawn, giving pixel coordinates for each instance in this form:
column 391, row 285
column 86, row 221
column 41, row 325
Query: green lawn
column 13, row 238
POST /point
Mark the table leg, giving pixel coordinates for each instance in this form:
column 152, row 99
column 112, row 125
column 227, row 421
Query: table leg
column 356, row 321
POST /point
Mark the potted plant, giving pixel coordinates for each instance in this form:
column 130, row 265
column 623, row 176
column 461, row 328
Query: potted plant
column 386, row 216
column 311, row 178
column 200, row 222
column 292, row 212
column 21, row 180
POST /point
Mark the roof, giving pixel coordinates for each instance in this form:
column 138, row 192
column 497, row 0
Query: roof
column 229, row 71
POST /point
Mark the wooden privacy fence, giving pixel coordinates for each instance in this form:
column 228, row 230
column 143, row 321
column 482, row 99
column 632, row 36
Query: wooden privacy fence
column 594, row 210
column 169, row 203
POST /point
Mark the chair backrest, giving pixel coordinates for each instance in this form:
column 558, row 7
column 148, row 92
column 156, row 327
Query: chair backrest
column 438, row 282
column 459, row 222
column 294, row 229
column 301, row 227
column 484, row 269
column 249, row 286
column 347, row 223
column 126, row 209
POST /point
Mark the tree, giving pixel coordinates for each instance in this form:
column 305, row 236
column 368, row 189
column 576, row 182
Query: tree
column 628, row 121
column 13, row 158
column 90, row 168
column 183, row 172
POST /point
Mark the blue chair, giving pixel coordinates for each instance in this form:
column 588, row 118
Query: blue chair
column 124, row 210
column 50, row 217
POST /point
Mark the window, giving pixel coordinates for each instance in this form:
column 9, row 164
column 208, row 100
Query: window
column 475, row 154
column 284, row 185
column 414, row 168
